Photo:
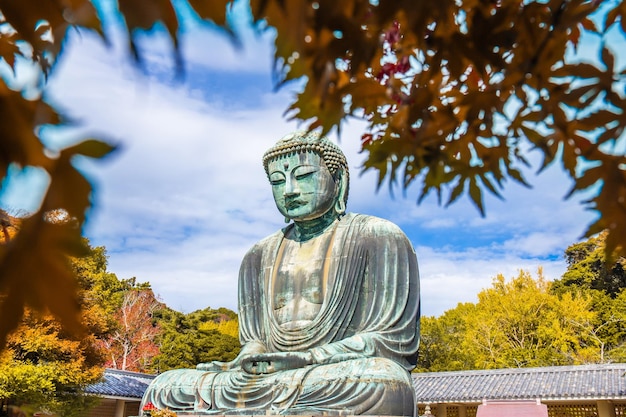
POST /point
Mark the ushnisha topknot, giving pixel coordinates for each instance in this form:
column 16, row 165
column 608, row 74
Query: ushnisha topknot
column 301, row 141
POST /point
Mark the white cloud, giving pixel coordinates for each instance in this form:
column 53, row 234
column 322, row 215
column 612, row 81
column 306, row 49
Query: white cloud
column 444, row 223
column 536, row 243
column 451, row 277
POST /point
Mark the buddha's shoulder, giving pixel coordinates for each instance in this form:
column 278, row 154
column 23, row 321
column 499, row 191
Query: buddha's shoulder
column 372, row 224
column 363, row 225
column 267, row 243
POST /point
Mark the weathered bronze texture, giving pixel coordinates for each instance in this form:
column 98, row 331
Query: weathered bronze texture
column 328, row 306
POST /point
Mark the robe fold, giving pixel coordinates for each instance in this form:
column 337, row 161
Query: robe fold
column 364, row 339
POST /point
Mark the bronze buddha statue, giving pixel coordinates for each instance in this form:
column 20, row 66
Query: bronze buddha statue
column 328, row 306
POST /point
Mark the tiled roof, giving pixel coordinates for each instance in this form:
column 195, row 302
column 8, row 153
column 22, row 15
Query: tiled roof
column 606, row 381
column 116, row 383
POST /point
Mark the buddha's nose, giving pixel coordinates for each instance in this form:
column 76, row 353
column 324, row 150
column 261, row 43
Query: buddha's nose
column 291, row 188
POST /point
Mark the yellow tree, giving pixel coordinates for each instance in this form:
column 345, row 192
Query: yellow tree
column 588, row 272
column 455, row 94
column 441, row 341
column 227, row 326
column 520, row 324
column 43, row 369
column 516, row 323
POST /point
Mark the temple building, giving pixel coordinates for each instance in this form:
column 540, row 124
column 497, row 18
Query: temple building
column 121, row 393
column 568, row 391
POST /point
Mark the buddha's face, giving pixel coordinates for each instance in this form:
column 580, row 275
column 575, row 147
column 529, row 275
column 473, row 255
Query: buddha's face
column 303, row 187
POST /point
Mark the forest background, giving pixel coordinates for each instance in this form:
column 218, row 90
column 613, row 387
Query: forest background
column 520, row 321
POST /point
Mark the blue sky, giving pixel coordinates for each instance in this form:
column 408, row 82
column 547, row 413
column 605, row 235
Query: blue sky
column 186, row 195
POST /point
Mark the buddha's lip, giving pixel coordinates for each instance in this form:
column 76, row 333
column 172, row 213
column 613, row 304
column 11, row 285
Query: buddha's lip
column 294, row 204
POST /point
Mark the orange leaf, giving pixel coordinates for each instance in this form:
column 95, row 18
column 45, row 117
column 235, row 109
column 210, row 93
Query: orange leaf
column 18, row 119
column 8, row 48
column 214, row 10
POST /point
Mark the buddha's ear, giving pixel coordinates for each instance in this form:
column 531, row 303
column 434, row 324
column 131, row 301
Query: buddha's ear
column 342, row 192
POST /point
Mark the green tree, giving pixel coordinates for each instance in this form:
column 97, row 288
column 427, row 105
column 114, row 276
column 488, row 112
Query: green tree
column 587, row 268
column 189, row 339
column 589, row 272
column 617, row 319
column 102, row 288
column 455, row 94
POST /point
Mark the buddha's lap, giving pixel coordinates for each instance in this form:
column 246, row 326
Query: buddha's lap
column 374, row 386
column 354, row 371
column 366, row 370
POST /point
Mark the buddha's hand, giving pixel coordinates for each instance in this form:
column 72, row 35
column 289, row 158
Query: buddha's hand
column 267, row 363
column 250, row 348
column 214, row 366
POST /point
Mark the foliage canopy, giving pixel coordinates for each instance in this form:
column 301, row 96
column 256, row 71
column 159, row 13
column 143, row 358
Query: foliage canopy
column 456, row 94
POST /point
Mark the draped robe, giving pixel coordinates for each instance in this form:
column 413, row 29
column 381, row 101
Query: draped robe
column 364, row 339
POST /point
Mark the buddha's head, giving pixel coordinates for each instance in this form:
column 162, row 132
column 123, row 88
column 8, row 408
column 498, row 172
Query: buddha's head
column 309, row 176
